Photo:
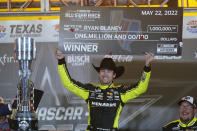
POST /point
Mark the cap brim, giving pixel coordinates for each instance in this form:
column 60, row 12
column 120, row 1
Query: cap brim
column 179, row 103
column 119, row 71
column 96, row 68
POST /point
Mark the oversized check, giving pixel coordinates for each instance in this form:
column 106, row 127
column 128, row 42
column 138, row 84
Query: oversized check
column 121, row 30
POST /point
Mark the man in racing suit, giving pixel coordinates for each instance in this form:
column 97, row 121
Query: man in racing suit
column 187, row 121
column 105, row 101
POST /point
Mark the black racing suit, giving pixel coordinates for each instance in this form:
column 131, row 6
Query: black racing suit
column 105, row 102
column 177, row 125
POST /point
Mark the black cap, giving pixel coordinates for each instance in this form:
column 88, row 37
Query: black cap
column 108, row 63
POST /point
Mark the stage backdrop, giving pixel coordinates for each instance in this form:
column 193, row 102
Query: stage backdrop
column 172, row 77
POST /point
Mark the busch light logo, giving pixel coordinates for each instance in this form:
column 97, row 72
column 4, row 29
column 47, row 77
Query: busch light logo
column 78, row 60
column 2, row 31
column 23, row 125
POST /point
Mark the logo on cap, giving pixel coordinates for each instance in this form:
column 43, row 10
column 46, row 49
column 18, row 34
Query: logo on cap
column 189, row 99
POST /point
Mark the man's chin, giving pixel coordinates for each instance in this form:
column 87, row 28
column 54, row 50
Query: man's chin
column 106, row 83
column 185, row 120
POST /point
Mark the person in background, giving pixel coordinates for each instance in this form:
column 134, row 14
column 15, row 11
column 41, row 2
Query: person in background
column 4, row 110
column 187, row 120
column 106, row 100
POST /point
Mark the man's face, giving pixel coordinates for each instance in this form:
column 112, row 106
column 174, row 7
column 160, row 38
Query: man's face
column 106, row 76
column 186, row 112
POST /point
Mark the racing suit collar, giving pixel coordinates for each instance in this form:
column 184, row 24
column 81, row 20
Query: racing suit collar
column 106, row 86
column 192, row 122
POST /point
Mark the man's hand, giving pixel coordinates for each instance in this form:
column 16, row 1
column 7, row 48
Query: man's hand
column 149, row 57
column 58, row 54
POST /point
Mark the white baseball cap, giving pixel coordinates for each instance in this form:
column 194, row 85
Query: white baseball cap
column 189, row 99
